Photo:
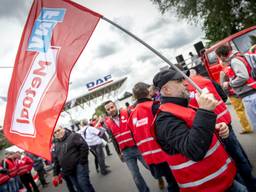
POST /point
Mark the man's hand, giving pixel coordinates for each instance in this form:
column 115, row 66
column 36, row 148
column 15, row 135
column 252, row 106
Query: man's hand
column 223, row 130
column 225, row 85
column 206, row 101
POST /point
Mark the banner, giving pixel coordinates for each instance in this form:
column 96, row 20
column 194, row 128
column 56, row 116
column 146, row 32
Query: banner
column 54, row 36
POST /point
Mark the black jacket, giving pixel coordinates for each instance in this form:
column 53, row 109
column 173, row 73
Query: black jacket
column 68, row 152
column 174, row 136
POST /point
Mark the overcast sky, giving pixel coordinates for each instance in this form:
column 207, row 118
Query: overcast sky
column 109, row 50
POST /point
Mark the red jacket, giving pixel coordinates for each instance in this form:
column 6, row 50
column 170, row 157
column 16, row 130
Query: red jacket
column 231, row 74
column 25, row 165
column 3, row 177
column 223, row 115
column 121, row 132
column 214, row 173
column 139, row 123
column 12, row 167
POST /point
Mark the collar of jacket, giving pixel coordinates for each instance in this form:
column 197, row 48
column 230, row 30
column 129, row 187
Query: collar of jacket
column 176, row 100
column 143, row 100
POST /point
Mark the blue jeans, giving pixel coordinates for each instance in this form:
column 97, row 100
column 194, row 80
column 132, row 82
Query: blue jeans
column 250, row 108
column 12, row 185
column 131, row 155
column 81, row 179
column 4, row 187
column 237, row 187
column 244, row 168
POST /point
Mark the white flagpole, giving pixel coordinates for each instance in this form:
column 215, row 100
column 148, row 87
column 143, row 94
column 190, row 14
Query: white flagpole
column 156, row 52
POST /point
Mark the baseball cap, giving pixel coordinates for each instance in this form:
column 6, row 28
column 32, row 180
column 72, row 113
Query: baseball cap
column 164, row 76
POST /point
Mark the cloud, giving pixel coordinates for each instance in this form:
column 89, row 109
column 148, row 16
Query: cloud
column 157, row 24
column 144, row 57
column 107, row 49
column 14, row 9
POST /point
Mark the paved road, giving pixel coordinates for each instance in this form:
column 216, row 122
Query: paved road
column 120, row 180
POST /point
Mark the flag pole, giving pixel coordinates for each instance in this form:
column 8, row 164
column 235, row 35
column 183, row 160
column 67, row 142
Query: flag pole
column 156, row 52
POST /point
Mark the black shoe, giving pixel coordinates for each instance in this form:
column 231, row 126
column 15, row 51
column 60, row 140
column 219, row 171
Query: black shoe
column 107, row 166
column 106, row 172
column 110, row 154
column 97, row 170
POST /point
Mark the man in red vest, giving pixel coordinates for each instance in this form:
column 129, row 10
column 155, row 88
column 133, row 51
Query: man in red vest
column 231, row 143
column 197, row 159
column 10, row 163
column 25, row 165
column 238, row 71
column 124, row 143
column 4, row 178
column 139, row 123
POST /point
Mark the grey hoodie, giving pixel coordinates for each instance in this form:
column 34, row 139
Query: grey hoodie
column 238, row 83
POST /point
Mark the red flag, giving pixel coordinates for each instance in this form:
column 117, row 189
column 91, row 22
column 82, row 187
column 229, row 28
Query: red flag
column 54, row 36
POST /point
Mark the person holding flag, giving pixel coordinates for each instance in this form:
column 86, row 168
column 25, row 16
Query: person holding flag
column 197, row 159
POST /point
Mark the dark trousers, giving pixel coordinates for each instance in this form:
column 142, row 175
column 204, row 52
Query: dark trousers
column 235, row 150
column 81, row 179
column 27, row 179
column 106, row 147
column 95, row 160
column 41, row 174
column 163, row 170
column 69, row 184
column 98, row 150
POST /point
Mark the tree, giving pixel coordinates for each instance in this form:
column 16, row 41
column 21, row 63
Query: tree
column 218, row 18
column 100, row 110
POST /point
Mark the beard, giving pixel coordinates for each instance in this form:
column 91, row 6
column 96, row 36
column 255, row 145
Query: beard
column 185, row 94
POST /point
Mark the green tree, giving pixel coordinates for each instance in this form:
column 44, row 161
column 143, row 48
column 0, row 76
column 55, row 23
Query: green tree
column 100, row 110
column 3, row 141
column 218, row 19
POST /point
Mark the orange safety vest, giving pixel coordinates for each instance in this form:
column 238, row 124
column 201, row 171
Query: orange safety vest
column 223, row 115
column 121, row 133
column 12, row 167
column 139, row 123
column 3, row 177
column 231, row 74
column 25, row 165
column 215, row 172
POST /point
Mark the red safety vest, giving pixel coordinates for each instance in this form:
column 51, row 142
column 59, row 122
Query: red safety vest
column 139, row 123
column 25, row 165
column 214, row 173
column 3, row 177
column 12, row 167
column 231, row 74
column 121, row 133
column 223, row 115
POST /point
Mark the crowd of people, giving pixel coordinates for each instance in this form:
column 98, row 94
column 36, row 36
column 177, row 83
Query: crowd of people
column 177, row 133
column 15, row 172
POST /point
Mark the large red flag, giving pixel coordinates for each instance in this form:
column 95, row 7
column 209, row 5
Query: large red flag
column 54, row 36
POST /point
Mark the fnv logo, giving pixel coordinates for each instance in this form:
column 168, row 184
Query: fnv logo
column 40, row 73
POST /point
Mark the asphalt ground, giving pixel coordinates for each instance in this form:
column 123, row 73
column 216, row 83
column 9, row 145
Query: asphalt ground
column 120, row 179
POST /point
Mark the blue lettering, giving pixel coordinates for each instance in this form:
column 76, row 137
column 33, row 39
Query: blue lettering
column 107, row 77
column 99, row 81
column 40, row 38
column 90, row 85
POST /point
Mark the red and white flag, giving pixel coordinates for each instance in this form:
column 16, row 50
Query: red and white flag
column 55, row 34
